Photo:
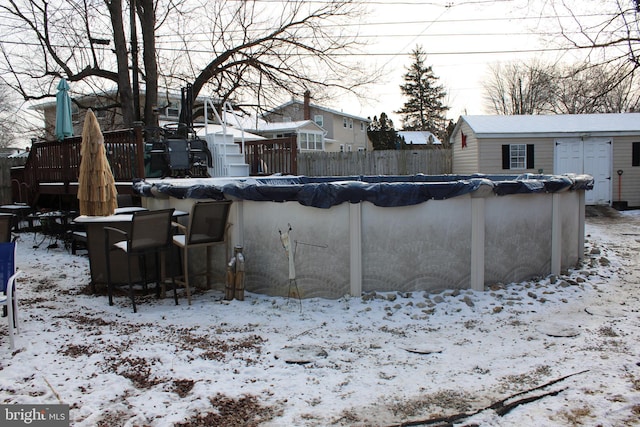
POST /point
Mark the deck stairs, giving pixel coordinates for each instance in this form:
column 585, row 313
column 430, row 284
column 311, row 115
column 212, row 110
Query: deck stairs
column 228, row 156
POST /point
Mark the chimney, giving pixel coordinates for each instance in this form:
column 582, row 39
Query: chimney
column 307, row 107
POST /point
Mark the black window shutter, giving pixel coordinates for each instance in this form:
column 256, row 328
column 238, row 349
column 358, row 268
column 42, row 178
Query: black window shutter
column 506, row 157
column 530, row 160
column 635, row 154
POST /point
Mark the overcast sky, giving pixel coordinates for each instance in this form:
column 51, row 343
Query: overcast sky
column 461, row 39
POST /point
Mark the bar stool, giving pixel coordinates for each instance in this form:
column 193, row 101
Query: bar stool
column 150, row 234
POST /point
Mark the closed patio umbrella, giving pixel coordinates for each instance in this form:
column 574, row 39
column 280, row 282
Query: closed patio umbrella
column 64, row 125
column 96, row 186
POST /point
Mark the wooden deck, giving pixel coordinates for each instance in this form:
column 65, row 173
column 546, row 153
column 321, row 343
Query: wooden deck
column 50, row 176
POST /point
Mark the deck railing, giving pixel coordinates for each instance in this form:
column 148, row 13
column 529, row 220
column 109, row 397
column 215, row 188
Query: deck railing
column 270, row 156
column 58, row 162
column 53, row 166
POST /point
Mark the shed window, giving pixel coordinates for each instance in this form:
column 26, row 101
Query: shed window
column 518, row 156
column 635, row 154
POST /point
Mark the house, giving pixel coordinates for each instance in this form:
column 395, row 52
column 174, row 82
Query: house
column 110, row 118
column 419, row 139
column 310, row 135
column 342, row 132
column 605, row 146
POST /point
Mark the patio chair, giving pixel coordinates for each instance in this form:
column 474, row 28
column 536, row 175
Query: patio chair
column 8, row 296
column 200, row 154
column 6, row 223
column 150, row 235
column 207, row 227
column 178, row 156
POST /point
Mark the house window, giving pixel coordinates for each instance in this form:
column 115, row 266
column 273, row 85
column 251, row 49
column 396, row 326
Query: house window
column 362, row 149
column 310, row 141
column 635, row 154
column 173, row 112
column 361, row 126
column 319, row 119
column 350, row 123
column 518, row 156
column 349, row 148
column 344, row 123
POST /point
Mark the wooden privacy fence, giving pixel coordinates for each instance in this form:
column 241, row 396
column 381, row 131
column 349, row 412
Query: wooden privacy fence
column 385, row 162
column 269, row 156
column 5, row 177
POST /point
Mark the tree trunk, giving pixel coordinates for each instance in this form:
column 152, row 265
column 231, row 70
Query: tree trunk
column 125, row 92
column 146, row 13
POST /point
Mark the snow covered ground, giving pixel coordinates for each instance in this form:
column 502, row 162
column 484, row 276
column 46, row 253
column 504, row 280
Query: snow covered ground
column 550, row 352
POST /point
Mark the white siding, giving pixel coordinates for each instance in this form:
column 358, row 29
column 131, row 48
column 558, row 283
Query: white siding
column 490, row 157
column 627, row 186
column 465, row 160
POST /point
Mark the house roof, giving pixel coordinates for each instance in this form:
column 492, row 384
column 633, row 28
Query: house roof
column 418, row 137
column 287, row 126
column 553, row 125
column 112, row 94
column 329, row 110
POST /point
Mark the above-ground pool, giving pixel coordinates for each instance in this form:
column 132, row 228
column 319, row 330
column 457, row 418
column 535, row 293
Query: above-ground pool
column 391, row 233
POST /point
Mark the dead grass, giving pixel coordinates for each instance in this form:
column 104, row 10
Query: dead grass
column 245, row 411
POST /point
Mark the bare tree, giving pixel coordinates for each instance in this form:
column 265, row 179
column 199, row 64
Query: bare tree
column 606, row 30
column 520, row 88
column 536, row 88
column 599, row 88
column 606, row 36
column 7, row 117
column 247, row 50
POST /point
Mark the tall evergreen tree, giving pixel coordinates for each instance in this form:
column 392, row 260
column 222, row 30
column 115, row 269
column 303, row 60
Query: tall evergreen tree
column 424, row 109
column 382, row 134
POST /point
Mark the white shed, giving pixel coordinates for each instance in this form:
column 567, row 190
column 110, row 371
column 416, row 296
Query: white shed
column 605, row 146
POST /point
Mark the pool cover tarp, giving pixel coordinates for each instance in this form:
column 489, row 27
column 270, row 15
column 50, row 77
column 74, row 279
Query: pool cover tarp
column 385, row 191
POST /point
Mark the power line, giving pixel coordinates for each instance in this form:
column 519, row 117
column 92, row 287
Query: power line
column 363, row 54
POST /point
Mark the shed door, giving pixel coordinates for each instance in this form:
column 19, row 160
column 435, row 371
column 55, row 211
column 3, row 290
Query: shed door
column 591, row 156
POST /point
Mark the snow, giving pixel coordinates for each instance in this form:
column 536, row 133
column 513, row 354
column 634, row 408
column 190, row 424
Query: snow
column 626, row 123
column 377, row 360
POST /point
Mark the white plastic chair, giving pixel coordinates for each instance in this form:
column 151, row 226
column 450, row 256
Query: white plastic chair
column 8, row 297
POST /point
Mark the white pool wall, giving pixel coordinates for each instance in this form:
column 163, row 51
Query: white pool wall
column 465, row 242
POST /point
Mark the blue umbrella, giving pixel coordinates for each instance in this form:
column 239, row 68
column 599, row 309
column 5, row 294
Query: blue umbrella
column 64, row 125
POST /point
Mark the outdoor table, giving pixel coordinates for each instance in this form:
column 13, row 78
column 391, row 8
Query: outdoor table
column 7, row 214
column 129, row 210
column 55, row 225
column 20, row 212
column 94, row 226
